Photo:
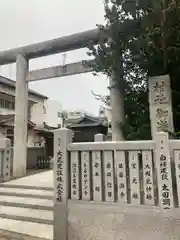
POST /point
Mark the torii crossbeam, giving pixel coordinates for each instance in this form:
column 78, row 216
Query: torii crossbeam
column 21, row 56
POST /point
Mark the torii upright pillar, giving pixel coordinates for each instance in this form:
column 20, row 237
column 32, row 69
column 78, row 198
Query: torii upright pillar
column 21, row 115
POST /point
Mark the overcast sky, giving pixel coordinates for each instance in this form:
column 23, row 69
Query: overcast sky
column 24, row 22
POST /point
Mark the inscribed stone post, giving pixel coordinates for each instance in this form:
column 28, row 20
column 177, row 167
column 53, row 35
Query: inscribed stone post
column 86, row 176
column 62, row 137
column 163, row 166
column 160, row 105
column 7, row 161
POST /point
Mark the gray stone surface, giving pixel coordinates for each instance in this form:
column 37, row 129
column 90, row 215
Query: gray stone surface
column 95, row 221
column 8, row 235
column 122, row 222
column 44, row 179
column 22, row 207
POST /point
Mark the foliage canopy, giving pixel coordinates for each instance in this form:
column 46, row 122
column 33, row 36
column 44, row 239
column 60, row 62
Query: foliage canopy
column 139, row 39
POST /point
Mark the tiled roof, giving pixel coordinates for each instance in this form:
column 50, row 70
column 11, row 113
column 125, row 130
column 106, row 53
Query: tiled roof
column 93, row 121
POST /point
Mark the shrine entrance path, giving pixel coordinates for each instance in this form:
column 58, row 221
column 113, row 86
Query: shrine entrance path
column 26, row 207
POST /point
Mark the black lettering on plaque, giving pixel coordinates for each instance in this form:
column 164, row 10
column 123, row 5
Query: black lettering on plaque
column 147, row 166
column 109, row 194
column 162, row 158
column 120, row 165
column 148, row 173
column 59, row 154
column 74, row 171
column 163, row 164
column 59, row 199
column 149, row 196
column 166, row 201
column 122, row 194
column 165, row 194
column 59, row 186
column 165, row 187
column 59, row 165
column 133, row 165
column 121, row 175
column 135, row 196
column 109, row 185
column 163, row 170
column 148, row 181
column 59, row 179
column 59, row 172
column 108, row 165
column 109, row 174
column 74, row 165
column 134, row 180
column 121, row 185
column 148, row 189
column 164, row 176
column 59, row 191
column 97, row 174
column 96, row 165
column 97, row 189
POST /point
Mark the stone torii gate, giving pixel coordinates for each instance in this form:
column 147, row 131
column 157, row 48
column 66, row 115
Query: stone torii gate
column 22, row 56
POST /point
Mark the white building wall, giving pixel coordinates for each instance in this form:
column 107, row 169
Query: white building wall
column 53, row 111
column 77, row 113
column 73, row 114
column 37, row 114
column 33, row 139
column 11, row 91
column 5, row 111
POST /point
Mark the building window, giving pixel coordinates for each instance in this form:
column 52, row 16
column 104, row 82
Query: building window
column 1, row 103
column 7, row 104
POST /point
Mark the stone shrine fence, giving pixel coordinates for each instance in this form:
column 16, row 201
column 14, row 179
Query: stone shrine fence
column 113, row 176
column 5, row 159
column 132, row 172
